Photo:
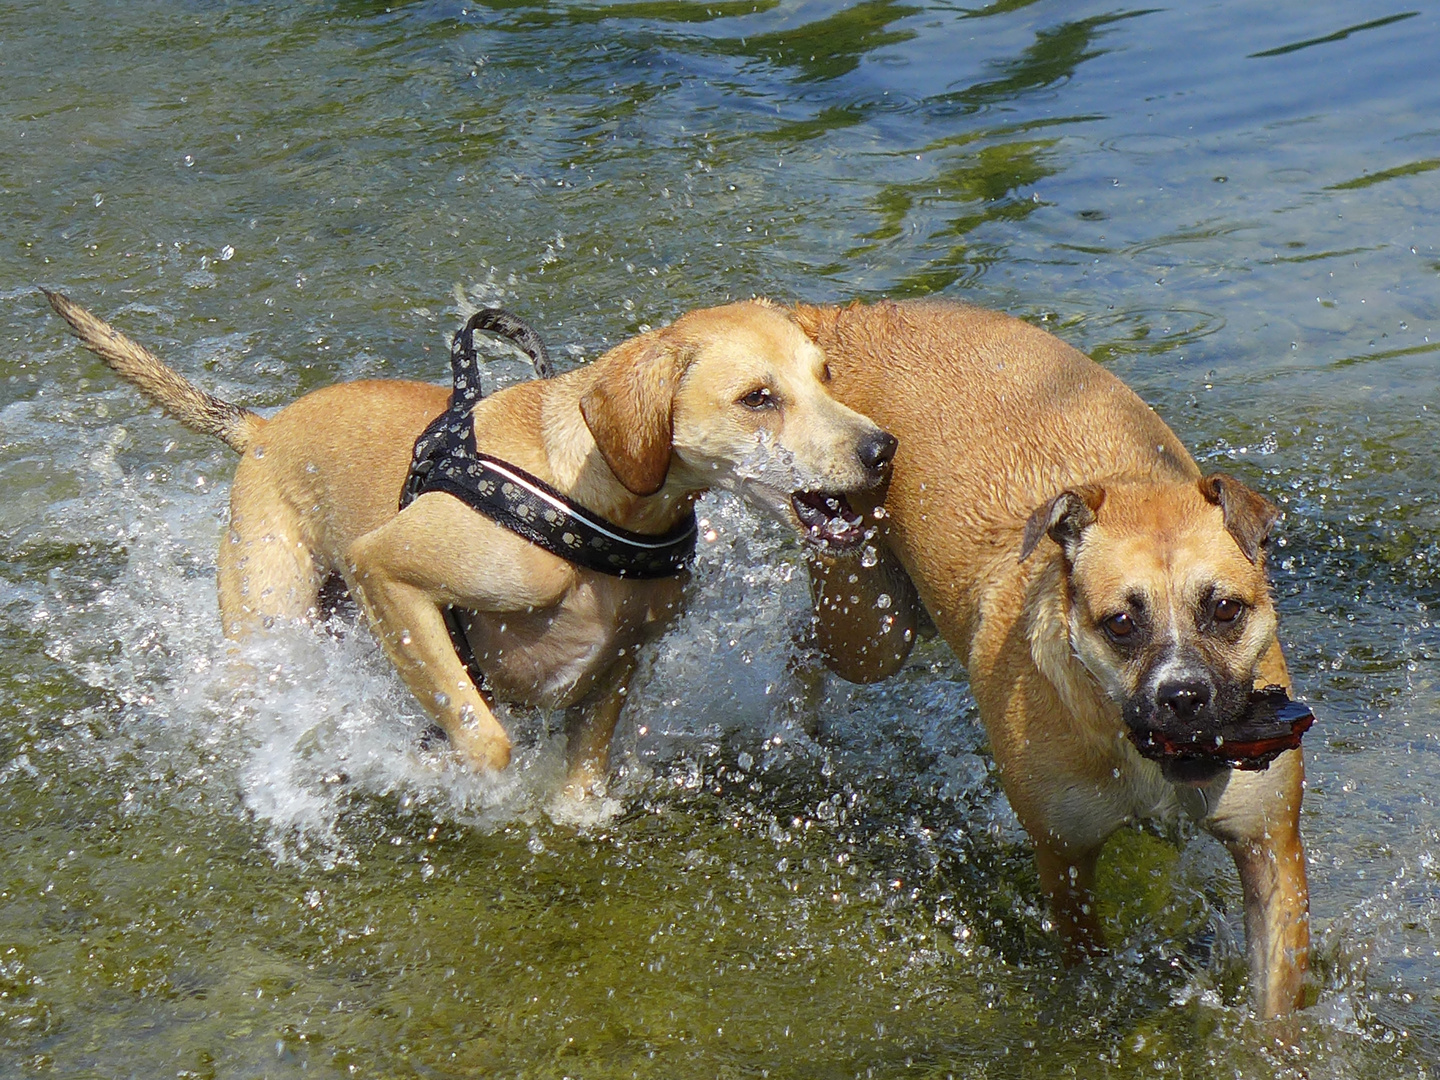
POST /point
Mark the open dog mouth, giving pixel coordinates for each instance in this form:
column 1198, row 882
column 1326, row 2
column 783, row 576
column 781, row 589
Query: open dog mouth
column 1270, row 725
column 828, row 518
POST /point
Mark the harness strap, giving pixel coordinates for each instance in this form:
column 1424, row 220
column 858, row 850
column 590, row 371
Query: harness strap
column 528, row 506
column 445, row 459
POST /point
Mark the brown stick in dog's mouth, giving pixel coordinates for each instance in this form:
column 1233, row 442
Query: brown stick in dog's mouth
column 828, row 518
column 1272, row 724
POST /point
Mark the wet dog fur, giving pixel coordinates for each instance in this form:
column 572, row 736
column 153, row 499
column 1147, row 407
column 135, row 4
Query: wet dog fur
column 1089, row 578
column 730, row 397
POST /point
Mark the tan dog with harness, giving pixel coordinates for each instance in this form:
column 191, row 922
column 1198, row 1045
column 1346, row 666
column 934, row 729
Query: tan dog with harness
column 732, row 397
column 1109, row 603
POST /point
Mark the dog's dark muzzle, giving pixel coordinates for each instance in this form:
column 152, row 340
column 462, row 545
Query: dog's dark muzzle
column 1194, row 738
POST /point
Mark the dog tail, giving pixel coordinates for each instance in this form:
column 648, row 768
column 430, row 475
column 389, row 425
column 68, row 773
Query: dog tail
column 166, row 387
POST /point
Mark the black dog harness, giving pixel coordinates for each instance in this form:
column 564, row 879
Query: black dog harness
column 445, row 459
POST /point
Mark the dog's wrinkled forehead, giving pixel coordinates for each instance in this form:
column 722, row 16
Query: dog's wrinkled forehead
column 1161, row 539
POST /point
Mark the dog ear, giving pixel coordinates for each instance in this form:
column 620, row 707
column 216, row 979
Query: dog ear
column 628, row 410
column 1248, row 517
column 812, row 320
column 822, row 324
column 1063, row 519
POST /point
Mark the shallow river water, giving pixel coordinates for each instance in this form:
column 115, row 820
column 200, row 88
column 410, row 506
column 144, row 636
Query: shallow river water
column 1234, row 206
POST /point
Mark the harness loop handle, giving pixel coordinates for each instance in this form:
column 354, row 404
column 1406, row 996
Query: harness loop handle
column 465, row 363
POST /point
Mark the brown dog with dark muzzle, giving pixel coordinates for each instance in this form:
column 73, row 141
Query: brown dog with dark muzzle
column 1102, row 594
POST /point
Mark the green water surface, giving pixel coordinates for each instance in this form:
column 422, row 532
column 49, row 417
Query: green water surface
column 1234, row 206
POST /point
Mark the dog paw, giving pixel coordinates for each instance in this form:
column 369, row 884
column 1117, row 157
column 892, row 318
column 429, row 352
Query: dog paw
column 583, row 783
column 480, row 752
column 580, row 805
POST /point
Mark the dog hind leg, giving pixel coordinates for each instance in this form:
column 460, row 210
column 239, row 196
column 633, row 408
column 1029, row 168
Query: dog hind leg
column 267, row 569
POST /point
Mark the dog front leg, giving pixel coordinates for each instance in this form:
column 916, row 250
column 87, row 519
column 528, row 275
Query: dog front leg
column 1060, row 781
column 437, row 552
column 1257, row 816
column 865, row 617
column 1068, row 877
column 1277, row 922
column 412, row 631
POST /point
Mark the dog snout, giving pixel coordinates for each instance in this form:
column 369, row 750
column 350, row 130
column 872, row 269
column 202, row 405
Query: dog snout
column 1186, row 699
column 876, row 450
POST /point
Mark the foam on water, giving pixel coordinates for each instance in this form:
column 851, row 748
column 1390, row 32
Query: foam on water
column 300, row 719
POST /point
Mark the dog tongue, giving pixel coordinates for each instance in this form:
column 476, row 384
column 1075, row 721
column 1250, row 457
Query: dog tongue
column 828, row 517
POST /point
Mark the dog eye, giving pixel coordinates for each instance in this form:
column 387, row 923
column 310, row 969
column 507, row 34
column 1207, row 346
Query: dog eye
column 1119, row 626
column 759, row 398
column 1227, row 611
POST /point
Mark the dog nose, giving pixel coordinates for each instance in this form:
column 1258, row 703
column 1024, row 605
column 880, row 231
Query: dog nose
column 1184, row 699
column 876, row 450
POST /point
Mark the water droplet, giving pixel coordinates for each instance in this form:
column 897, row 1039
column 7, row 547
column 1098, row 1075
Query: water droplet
column 227, row 253
column 189, row 160
column 99, row 197
column 882, row 601
column 869, row 557
column 404, row 637
column 442, row 699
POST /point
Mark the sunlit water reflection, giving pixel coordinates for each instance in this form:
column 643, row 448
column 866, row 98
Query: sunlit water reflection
column 243, row 863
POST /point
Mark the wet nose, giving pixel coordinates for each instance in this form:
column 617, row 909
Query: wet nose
column 1184, row 699
column 876, row 450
